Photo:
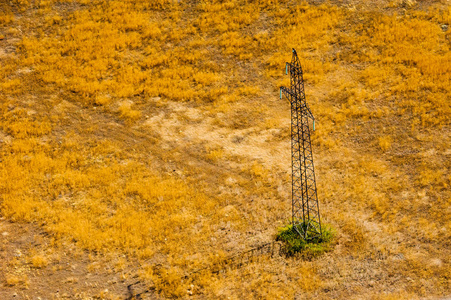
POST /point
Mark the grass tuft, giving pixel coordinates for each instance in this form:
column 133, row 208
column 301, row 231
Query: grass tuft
column 39, row 261
column 295, row 244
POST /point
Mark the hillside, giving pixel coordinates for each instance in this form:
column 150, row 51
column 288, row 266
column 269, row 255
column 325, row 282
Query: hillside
column 141, row 141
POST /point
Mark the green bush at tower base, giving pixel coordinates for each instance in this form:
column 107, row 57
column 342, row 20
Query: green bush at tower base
column 294, row 244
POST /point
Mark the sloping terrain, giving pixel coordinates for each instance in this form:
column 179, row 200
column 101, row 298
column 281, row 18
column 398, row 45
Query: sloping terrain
column 144, row 140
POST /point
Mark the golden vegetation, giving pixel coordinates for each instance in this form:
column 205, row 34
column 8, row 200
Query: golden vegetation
column 39, row 261
column 81, row 83
column 15, row 280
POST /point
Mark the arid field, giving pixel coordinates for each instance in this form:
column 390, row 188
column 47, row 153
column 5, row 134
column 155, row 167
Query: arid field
column 144, row 140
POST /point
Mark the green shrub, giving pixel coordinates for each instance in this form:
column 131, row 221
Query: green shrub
column 313, row 246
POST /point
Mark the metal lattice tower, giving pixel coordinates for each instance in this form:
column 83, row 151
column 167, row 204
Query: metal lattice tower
column 304, row 203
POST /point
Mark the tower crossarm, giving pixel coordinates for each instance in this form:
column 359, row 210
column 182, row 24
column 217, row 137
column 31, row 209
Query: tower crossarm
column 292, row 97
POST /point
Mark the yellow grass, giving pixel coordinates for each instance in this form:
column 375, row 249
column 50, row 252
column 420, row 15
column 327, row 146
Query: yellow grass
column 152, row 129
column 39, row 261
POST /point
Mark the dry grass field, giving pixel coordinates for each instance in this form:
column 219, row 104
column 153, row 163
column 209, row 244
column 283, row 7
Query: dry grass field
column 141, row 140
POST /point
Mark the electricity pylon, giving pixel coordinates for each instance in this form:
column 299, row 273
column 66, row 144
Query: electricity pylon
column 304, row 202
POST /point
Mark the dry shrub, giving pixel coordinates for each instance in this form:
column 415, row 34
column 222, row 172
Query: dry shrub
column 129, row 114
column 215, row 154
column 16, row 280
column 12, row 280
column 385, row 142
column 39, row 261
column 6, row 17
